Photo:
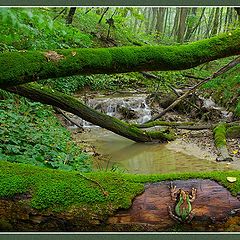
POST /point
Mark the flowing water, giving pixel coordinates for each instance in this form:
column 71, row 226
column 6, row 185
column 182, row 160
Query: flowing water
column 123, row 154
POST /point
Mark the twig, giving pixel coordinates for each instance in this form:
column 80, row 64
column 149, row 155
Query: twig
column 149, row 75
column 59, row 14
column 89, row 10
column 68, row 118
column 105, row 193
column 105, row 11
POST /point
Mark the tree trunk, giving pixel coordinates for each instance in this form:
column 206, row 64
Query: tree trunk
column 71, row 13
column 226, row 19
column 192, row 30
column 160, row 20
column 153, row 22
column 220, row 20
column 182, row 25
column 176, row 23
column 28, row 66
column 165, row 21
column 209, row 24
column 70, row 104
column 215, row 22
column 104, row 12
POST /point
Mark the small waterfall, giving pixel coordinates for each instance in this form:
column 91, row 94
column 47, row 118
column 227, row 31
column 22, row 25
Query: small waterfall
column 115, row 106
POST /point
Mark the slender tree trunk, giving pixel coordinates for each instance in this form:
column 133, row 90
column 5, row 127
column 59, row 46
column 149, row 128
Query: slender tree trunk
column 165, row 21
column 226, row 19
column 198, row 25
column 148, row 20
column 209, row 24
column 182, row 25
column 176, row 23
column 215, row 22
column 104, row 12
column 70, row 15
column 220, row 19
column 153, row 22
column 160, row 20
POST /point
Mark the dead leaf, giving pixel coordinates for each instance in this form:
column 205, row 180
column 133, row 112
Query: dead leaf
column 235, row 151
column 53, row 56
column 231, row 179
column 74, row 53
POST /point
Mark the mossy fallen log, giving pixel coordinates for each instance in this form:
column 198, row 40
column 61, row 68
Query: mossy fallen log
column 41, row 199
column 233, row 128
column 70, row 104
column 28, row 66
column 221, row 143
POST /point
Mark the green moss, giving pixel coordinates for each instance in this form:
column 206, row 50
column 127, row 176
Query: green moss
column 218, row 176
column 164, row 135
column 220, row 135
column 59, row 190
column 33, row 65
column 164, row 123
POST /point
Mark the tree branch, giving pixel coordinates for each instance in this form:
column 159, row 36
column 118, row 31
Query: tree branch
column 193, row 89
column 70, row 104
column 28, row 66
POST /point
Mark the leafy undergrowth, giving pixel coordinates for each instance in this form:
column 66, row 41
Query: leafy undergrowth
column 31, row 134
column 59, row 190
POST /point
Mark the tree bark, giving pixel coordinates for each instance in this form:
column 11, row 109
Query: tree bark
column 209, row 24
column 215, row 22
column 70, row 104
column 182, row 25
column 71, row 13
column 28, row 66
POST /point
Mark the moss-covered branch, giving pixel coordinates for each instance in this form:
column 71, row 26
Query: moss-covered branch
column 221, row 142
column 70, row 104
column 27, row 66
column 233, row 128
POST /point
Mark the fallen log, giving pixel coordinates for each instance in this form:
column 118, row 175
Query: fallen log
column 176, row 91
column 70, row 104
column 221, row 143
column 29, row 66
column 190, row 126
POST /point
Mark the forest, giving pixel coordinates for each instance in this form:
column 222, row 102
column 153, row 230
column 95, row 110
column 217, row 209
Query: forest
column 120, row 119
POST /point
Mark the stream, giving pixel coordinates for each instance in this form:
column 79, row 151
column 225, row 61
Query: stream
column 141, row 158
column 146, row 158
